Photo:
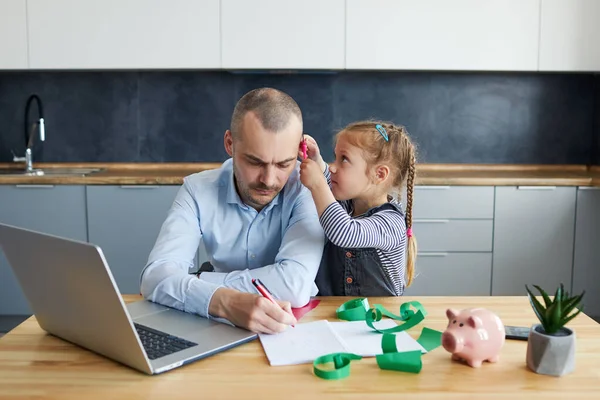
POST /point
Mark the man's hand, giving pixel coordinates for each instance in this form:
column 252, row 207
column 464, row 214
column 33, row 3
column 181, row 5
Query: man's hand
column 311, row 176
column 251, row 311
column 312, row 152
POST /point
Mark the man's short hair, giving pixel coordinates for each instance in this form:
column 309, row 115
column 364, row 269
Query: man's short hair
column 272, row 107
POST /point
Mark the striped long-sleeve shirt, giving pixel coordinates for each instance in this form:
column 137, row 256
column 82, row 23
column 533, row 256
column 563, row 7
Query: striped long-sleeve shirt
column 384, row 230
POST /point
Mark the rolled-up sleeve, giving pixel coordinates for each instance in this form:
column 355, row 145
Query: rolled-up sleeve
column 165, row 278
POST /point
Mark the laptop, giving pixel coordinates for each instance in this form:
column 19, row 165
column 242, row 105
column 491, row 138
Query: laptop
column 73, row 296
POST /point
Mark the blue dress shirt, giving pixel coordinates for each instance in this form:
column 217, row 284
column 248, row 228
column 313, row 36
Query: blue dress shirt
column 281, row 245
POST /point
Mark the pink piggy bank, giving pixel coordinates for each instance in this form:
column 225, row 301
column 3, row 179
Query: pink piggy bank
column 474, row 335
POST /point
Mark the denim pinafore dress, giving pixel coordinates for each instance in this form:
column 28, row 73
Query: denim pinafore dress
column 354, row 271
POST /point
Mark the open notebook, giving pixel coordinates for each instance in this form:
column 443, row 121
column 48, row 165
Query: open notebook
column 305, row 342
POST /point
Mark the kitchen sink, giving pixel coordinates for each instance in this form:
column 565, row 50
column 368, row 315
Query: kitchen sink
column 51, row 171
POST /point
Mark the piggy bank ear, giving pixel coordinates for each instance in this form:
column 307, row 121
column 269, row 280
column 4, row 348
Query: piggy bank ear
column 474, row 322
column 452, row 313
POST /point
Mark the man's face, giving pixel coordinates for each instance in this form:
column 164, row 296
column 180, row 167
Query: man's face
column 262, row 160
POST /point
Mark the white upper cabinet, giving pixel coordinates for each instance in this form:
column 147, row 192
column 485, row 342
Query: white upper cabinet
column 13, row 34
column 299, row 34
column 442, row 34
column 570, row 35
column 75, row 34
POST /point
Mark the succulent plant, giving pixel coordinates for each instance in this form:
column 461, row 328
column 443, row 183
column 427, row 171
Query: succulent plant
column 554, row 313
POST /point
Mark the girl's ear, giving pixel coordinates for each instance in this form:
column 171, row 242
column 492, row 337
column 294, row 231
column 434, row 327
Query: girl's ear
column 382, row 172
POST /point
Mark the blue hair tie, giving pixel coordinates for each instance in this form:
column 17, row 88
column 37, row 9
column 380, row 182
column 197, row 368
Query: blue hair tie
column 383, row 132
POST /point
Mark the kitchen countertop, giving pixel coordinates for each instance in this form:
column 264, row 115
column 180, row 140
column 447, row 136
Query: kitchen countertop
column 427, row 174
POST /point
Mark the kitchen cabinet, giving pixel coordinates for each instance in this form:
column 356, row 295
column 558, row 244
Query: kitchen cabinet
column 454, row 228
column 13, row 34
column 570, row 35
column 262, row 34
column 586, row 263
column 442, row 35
column 57, row 210
column 127, row 34
column 533, row 238
column 125, row 221
column 451, row 274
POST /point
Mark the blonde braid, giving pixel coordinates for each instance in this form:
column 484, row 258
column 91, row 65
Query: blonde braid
column 411, row 254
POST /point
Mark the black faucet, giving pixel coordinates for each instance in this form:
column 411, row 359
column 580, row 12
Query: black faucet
column 29, row 134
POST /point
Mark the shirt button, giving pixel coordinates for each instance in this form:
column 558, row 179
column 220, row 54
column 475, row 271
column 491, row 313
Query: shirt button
column 253, row 256
column 348, row 254
column 348, row 280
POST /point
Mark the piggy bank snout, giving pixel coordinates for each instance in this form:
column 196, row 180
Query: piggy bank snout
column 451, row 342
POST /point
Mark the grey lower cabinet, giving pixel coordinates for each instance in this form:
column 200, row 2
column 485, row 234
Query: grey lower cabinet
column 453, row 202
column 586, row 264
column 125, row 221
column 453, row 226
column 533, row 238
column 451, row 274
column 58, row 210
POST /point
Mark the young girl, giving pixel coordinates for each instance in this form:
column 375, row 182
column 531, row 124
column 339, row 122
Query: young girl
column 370, row 249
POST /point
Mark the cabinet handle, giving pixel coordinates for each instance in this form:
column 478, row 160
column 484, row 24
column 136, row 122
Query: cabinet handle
column 431, row 221
column 432, row 187
column 35, row 186
column 139, row 186
column 536, row 187
column 589, row 188
column 432, row 254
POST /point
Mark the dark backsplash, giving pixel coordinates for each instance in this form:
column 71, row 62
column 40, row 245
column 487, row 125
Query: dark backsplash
column 180, row 116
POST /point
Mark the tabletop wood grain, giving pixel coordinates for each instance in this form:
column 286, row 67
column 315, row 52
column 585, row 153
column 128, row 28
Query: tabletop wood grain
column 36, row 365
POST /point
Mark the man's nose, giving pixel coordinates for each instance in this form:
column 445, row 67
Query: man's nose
column 332, row 169
column 268, row 176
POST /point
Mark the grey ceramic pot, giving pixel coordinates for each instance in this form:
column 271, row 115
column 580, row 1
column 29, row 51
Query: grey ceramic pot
column 551, row 354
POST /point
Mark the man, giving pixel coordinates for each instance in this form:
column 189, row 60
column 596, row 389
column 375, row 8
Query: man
column 256, row 220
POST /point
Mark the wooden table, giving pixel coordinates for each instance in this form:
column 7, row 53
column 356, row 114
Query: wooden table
column 36, row 365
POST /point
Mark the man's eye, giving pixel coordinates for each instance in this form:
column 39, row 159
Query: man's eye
column 283, row 166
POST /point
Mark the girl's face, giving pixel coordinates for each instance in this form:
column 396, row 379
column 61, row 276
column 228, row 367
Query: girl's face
column 349, row 176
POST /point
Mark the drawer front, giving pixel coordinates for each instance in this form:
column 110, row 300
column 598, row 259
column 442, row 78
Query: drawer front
column 452, row 274
column 465, row 202
column 453, row 235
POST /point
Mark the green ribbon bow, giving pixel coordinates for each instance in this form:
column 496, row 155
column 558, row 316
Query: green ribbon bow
column 341, row 364
column 412, row 313
column 411, row 317
column 353, row 310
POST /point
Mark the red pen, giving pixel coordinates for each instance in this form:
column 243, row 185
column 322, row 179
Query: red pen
column 264, row 291
column 304, row 148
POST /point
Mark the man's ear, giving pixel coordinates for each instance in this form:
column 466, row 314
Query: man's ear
column 382, row 172
column 228, row 142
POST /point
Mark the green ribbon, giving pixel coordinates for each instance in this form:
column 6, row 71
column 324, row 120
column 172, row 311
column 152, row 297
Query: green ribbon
column 341, row 364
column 412, row 313
column 430, row 339
column 411, row 317
column 406, row 361
column 353, row 310
column 391, row 359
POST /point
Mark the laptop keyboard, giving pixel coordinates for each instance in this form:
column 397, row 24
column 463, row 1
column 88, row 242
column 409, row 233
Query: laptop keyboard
column 159, row 344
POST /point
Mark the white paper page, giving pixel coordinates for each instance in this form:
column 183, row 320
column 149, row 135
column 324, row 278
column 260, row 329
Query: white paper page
column 301, row 344
column 362, row 340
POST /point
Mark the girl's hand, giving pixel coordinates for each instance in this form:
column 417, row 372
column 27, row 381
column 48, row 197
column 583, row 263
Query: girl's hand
column 312, row 151
column 310, row 174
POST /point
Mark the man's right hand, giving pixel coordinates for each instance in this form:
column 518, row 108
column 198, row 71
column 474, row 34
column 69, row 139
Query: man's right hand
column 251, row 311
